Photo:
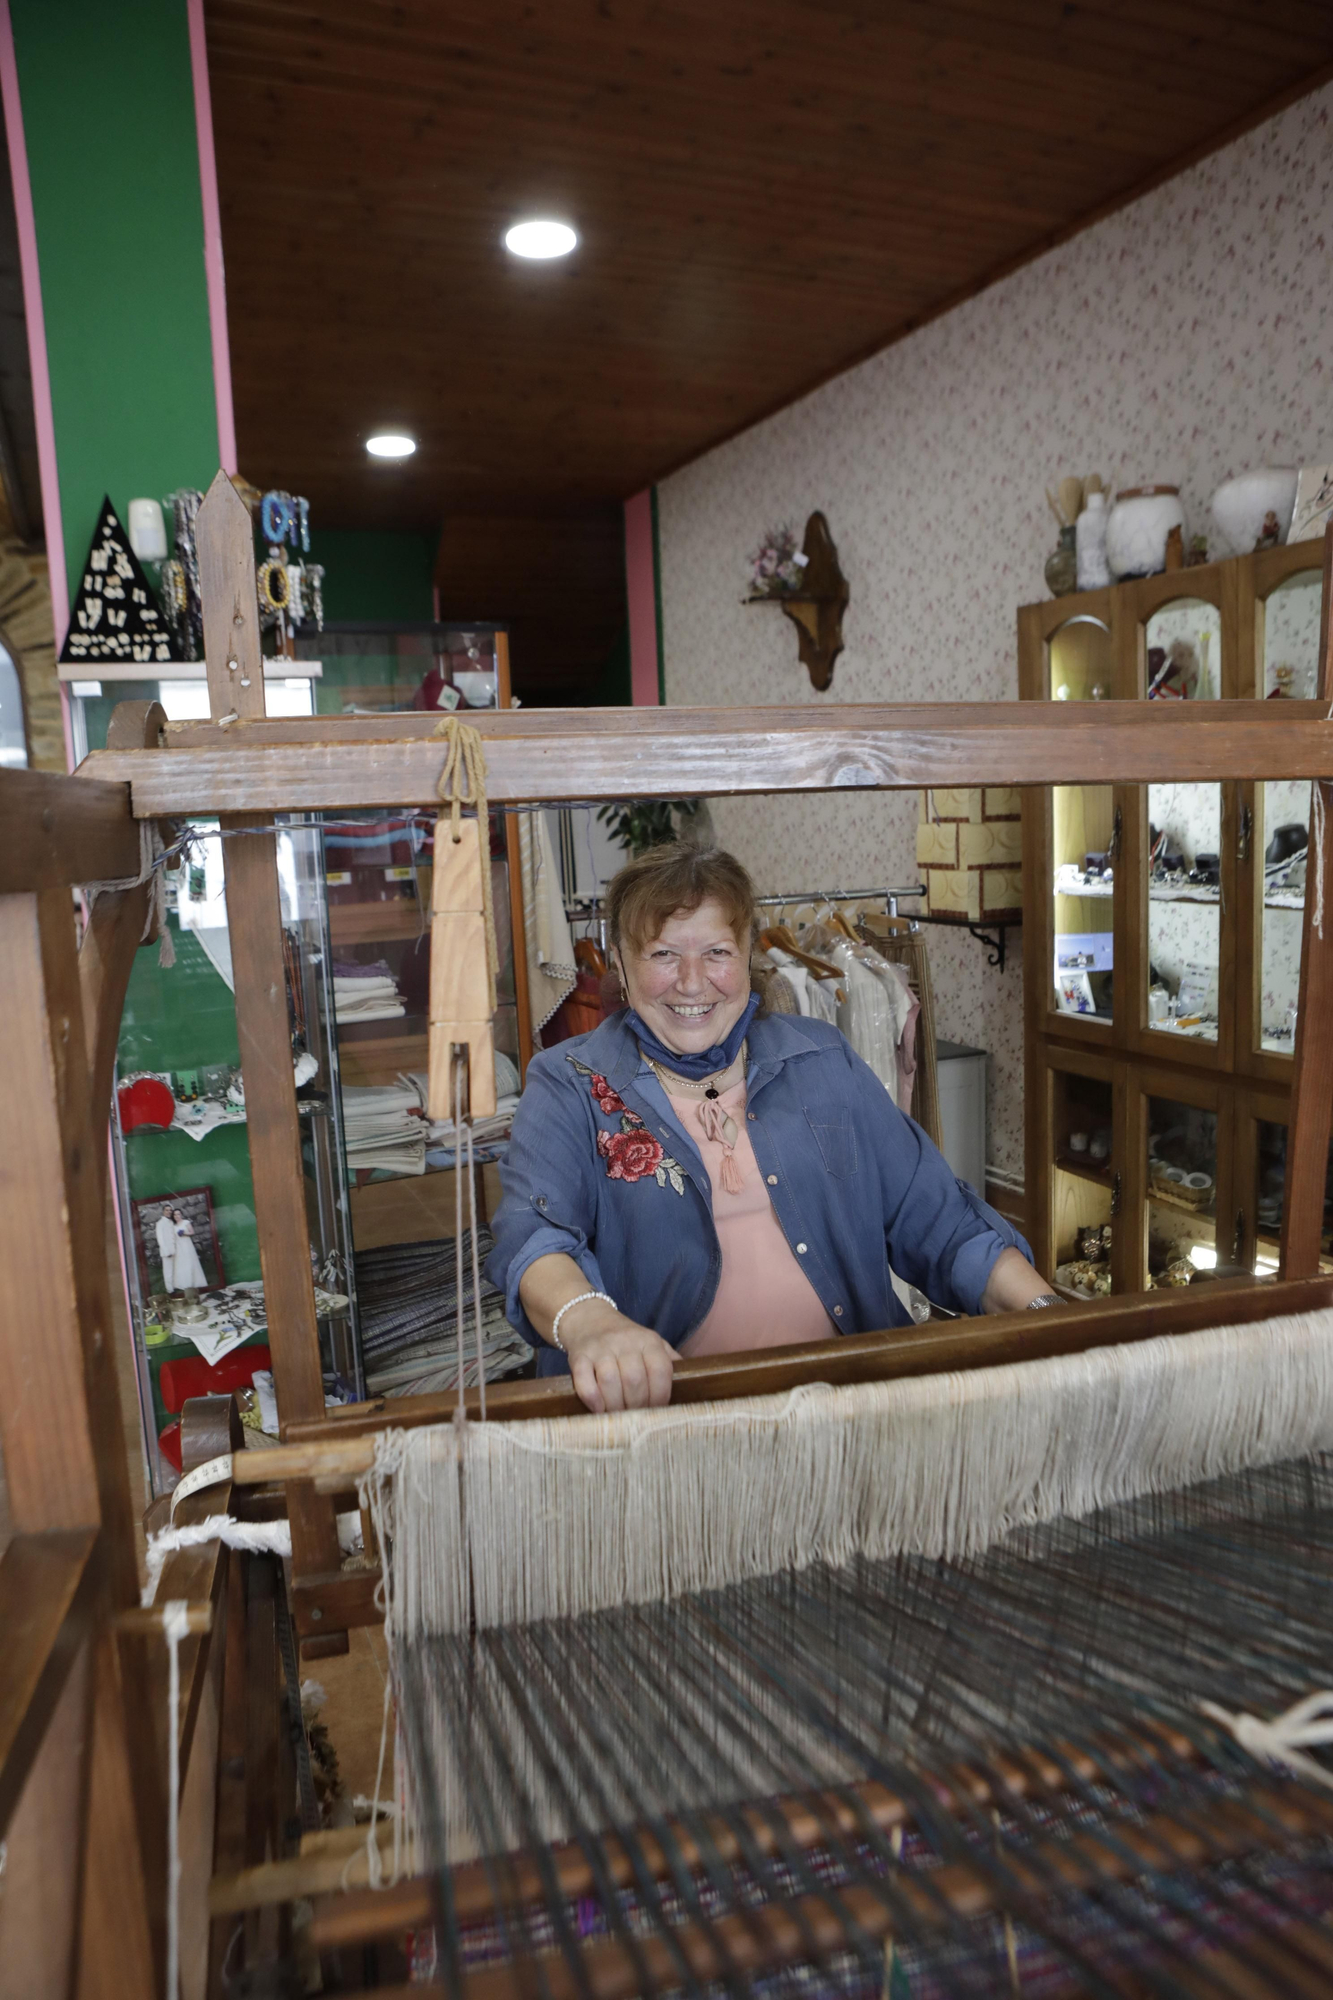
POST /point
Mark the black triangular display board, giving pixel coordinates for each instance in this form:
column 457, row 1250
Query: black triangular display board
column 115, row 615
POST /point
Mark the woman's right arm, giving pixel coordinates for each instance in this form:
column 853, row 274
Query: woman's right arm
column 615, row 1364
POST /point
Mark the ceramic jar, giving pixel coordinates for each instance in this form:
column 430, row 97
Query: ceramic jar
column 1241, row 505
column 1137, row 528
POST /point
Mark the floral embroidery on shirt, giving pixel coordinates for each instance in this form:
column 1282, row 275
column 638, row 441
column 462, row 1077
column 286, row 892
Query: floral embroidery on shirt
column 632, row 1153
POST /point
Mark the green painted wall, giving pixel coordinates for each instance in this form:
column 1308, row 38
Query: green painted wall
column 108, row 114
column 375, row 574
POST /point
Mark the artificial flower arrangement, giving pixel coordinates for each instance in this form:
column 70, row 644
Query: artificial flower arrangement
column 777, row 569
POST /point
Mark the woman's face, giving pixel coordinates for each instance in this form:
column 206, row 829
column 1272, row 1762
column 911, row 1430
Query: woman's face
column 690, row 984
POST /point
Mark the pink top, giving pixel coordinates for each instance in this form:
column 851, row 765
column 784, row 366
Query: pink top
column 764, row 1298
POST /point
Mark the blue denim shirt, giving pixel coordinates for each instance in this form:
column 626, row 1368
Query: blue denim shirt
column 858, row 1186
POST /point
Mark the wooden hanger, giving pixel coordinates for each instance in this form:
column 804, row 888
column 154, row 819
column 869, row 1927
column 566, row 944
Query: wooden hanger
column 780, row 938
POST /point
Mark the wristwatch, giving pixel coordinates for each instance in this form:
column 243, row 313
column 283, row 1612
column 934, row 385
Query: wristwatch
column 1045, row 1299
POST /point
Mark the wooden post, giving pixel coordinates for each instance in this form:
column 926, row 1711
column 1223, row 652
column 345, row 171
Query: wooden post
column 60, row 1406
column 1312, row 1082
column 235, row 668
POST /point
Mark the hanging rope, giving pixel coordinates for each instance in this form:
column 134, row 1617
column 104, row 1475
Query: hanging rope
column 463, row 782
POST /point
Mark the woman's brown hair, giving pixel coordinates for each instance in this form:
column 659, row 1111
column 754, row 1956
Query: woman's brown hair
column 673, row 879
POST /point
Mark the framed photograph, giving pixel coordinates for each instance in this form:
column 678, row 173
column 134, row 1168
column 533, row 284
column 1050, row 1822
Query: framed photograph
column 176, row 1243
column 1314, row 504
column 1073, row 993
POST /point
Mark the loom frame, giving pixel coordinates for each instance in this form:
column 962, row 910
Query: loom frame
column 81, row 1676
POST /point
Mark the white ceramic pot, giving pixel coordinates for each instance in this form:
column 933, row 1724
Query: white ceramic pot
column 477, row 689
column 1241, row 505
column 1137, row 528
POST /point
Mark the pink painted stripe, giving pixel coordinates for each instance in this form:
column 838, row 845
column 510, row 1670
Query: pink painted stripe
column 641, row 596
column 213, row 266
column 32, row 308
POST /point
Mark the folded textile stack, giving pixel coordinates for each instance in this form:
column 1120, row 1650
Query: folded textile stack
column 408, row 1297
column 365, row 992
column 383, row 1126
column 490, row 1136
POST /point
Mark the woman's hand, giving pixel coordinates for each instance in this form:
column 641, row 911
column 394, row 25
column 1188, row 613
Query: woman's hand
column 615, row 1363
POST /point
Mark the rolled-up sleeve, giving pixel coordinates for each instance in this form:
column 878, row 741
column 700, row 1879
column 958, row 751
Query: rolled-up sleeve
column 941, row 1236
column 547, row 1204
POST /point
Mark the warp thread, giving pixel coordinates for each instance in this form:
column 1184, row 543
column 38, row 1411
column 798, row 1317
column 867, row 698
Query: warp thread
column 510, row 1523
column 175, row 1625
column 375, row 1494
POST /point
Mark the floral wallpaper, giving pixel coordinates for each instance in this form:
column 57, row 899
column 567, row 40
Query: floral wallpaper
column 1183, row 339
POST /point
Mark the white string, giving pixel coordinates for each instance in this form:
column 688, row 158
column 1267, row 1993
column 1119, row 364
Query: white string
column 255, row 1537
column 476, row 1274
column 375, row 1494
column 458, row 1226
column 175, row 1624
column 1278, row 1742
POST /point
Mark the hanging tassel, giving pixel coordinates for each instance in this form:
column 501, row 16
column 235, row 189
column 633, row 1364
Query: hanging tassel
column 722, row 1129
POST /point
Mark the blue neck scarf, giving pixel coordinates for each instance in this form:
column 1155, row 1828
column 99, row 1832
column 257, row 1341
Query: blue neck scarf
column 694, row 1068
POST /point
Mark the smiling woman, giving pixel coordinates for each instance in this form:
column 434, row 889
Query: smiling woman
column 696, row 1176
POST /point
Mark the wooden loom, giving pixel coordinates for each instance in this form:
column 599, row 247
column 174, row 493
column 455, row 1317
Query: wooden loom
column 82, row 1745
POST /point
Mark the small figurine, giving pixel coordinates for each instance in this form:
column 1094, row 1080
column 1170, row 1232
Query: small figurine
column 1175, row 548
column 1270, row 534
column 1198, row 552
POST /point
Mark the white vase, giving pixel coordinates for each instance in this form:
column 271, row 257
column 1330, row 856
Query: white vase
column 1090, row 542
column 1137, row 527
column 1241, row 505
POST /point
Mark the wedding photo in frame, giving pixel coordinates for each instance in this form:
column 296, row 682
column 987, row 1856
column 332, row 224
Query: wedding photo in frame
column 176, row 1242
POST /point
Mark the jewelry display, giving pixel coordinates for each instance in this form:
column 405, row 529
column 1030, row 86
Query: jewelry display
column 276, row 518
column 185, row 505
column 274, row 590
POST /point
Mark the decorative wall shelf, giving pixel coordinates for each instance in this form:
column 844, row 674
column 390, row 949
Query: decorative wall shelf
column 816, row 611
column 993, row 932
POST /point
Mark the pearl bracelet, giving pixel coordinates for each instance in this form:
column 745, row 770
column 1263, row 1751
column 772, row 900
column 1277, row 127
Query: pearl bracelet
column 582, row 1299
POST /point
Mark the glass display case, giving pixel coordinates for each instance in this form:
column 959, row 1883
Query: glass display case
column 1085, row 1175
column 380, row 1181
column 1183, row 876
column 1287, row 666
column 1083, row 839
column 184, row 1188
column 1190, row 1003
column 1181, row 1213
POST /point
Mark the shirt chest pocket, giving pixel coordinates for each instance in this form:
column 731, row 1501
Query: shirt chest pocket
column 835, row 1136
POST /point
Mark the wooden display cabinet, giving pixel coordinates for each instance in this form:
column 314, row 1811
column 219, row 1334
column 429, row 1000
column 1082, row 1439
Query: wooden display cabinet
column 1176, row 986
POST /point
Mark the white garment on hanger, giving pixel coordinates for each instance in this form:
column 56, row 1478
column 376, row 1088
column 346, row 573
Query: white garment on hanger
column 551, row 967
column 867, row 1017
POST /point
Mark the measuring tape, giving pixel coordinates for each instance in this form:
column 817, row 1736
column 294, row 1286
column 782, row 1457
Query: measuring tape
column 211, row 1473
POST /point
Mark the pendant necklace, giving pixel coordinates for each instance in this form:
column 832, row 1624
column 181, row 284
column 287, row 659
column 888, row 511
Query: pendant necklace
column 718, row 1125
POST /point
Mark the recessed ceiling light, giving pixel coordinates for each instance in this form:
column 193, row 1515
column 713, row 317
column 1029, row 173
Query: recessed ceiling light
column 540, row 239
column 391, row 444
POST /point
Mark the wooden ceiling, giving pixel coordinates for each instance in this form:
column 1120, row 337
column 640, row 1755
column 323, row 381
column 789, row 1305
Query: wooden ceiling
column 765, row 193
